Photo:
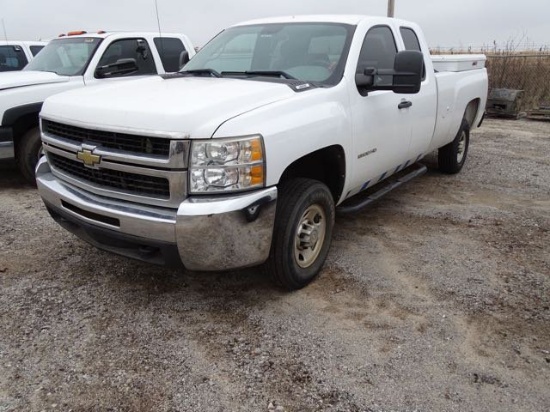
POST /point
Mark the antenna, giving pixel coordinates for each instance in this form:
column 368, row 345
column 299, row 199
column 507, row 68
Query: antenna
column 160, row 31
column 4, row 26
column 158, row 19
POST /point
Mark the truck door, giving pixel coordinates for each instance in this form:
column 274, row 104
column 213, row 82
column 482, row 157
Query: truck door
column 381, row 124
column 424, row 104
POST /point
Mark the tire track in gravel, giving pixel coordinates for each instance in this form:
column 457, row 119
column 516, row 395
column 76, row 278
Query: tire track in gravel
column 481, row 332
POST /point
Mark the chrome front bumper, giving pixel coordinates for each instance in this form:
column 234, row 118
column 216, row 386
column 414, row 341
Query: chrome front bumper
column 204, row 233
column 6, row 143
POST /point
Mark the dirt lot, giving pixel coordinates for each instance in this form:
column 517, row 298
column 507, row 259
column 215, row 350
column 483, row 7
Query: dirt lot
column 435, row 299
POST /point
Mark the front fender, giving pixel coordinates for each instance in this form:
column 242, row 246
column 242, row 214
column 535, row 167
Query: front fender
column 296, row 127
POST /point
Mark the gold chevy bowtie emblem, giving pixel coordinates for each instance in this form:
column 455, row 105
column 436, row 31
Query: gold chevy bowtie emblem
column 88, row 157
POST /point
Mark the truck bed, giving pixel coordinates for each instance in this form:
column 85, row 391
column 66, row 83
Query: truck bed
column 457, row 87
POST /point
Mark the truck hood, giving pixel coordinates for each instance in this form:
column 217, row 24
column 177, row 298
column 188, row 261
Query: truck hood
column 191, row 107
column 10, row 80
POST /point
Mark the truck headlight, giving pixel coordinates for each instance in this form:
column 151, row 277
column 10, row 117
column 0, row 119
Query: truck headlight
column 225, row 165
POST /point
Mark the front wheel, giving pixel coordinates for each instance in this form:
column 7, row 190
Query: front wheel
column 28, row 153
column 451, row 157
column 302, row 233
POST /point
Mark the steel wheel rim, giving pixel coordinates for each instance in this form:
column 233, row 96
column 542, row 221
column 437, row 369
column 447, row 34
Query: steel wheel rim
column 310, row 236
column 461, row 150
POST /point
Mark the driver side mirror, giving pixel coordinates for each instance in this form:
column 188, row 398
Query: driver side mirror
column 405, row 78
column 120, row 68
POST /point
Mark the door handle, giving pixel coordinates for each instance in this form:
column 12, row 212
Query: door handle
column 404, row 105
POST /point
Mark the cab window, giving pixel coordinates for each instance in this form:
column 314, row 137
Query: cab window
column 12, row 58
column 137, row 49
column 411, row 43
column 378, row 52
column 36, row 49
column 410, row 39
column 170, row 50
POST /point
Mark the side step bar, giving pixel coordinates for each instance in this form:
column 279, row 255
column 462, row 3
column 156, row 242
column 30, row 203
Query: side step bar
column 360, row 201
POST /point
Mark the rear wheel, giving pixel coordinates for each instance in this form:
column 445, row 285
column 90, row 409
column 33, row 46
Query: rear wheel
column 302, row 233
column 29, row 150
column 451, row 157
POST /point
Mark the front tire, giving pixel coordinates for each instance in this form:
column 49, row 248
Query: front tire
column 451, row 157
column 28, row 152
column 302, row 233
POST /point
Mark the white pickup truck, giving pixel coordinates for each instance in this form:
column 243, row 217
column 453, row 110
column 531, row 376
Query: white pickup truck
column 73, row 61
column 14, row 55
column 244, row 157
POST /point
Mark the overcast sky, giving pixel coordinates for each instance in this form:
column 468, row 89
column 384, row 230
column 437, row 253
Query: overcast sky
column 446, row 23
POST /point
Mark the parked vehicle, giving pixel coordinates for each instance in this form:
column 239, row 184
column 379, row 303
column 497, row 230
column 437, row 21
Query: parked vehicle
column 243, row 157
column 73, row 61
column 14, row 55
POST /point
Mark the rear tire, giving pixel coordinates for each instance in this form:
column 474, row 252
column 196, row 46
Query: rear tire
column 28, row 152
column 302, row 233
column 451, row 157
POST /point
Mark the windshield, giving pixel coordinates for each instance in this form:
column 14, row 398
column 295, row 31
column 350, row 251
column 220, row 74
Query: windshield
column 66, row 56
column 313, row 52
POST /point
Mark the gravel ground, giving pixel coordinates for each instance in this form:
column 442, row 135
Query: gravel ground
column 435, row 299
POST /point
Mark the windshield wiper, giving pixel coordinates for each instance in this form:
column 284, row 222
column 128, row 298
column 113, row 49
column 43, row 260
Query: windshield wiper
column 267, row 73
column 211, row 72
column 45, row 71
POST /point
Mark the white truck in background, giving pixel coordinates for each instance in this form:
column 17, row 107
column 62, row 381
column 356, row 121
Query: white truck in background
column 244, row 156
column 14, row 54
column 71, row 61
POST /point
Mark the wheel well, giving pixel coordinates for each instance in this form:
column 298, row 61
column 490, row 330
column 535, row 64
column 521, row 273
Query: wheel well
column 471, row 112
column 22, row 125
column 327, row 165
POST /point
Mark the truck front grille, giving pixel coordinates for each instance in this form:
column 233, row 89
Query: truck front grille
column 112, row 140
column 130, row 183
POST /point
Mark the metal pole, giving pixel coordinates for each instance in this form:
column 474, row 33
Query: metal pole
column 391, row 8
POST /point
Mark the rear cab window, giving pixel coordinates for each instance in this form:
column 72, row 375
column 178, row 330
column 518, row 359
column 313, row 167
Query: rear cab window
column 12, row 58
column 411, row 43
column 35, row 49
column 410, row 39
column 171, row 50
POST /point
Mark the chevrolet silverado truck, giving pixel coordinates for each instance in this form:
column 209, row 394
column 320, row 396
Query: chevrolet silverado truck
column 14, row 55
column 244, row 157
column 73, row 61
